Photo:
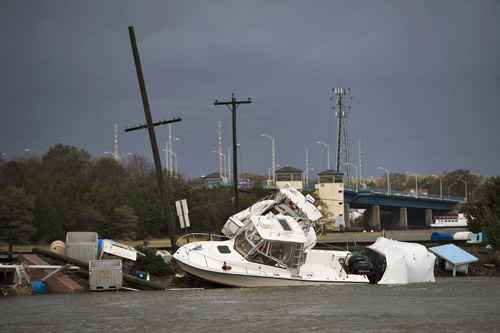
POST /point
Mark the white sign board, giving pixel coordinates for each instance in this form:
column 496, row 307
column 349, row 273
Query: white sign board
column 119, row 250
column 183, row 213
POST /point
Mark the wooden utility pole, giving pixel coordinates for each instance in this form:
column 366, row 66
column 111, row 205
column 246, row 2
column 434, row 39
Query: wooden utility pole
column 150, row 125
column 232, row 105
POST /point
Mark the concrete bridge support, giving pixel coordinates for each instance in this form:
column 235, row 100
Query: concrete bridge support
column 374, row 217
column 403, row 218
column 428, row 217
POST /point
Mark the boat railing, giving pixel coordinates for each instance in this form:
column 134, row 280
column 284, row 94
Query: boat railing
column 198, row 237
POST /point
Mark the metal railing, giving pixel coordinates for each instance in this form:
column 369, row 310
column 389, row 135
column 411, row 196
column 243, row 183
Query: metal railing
column 198, row 237
column 404, row 194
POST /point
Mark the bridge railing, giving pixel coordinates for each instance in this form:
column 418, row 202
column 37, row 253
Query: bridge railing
column 402, row 193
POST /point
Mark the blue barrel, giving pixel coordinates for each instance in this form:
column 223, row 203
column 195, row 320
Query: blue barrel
column 39, row 287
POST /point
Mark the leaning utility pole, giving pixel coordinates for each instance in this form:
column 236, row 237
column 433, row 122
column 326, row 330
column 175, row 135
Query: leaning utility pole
column 166, row 212
column 232, row 105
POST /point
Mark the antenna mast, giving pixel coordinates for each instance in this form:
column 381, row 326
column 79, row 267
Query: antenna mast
column 342, row 107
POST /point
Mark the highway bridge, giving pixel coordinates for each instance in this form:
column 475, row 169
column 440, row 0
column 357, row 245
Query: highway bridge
column 398, row 209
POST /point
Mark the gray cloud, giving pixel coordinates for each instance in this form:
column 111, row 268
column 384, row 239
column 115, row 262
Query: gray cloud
column 425, row 78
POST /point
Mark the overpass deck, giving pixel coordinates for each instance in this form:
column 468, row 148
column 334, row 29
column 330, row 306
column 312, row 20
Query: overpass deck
column 372, row 197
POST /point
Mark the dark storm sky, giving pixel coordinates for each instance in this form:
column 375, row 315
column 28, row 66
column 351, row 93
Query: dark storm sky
column 425, row 78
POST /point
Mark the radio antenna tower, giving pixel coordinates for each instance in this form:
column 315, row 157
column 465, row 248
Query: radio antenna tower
column 116, row 155
column 342, row 107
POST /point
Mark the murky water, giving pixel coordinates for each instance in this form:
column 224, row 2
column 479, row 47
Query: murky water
column 450, row 305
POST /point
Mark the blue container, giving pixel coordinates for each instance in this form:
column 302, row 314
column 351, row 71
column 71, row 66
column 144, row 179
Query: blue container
column 441, row 236
column 39, row 287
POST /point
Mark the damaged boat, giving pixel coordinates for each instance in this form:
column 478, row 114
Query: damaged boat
column 271, row 244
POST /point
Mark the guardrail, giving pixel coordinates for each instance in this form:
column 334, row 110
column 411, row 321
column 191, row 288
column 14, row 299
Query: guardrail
column 198, row 237
column 405, row 194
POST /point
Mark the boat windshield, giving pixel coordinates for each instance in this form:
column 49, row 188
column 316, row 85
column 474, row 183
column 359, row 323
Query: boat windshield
column 247, row 240
column 280, row 254
column 250, row 245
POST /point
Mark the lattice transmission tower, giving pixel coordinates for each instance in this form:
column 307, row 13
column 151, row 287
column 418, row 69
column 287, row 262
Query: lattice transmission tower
column 342, row 106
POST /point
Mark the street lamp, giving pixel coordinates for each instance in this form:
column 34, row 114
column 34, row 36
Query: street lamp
column 450, row 186
column 416, row 182
column 240, row 169
column 388, row 179
column 357, row 174
column 327, row 146
column 175, row 171
column 466, row 192
column 440, row 186
column 273, row 154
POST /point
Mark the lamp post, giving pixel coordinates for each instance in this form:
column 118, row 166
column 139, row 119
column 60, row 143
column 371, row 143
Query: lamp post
column 466, row 194
column 388, row 179
column 306, row 174
column 327, row 146
column 450, row 186
column 175, row 171
column 273, row 154
column 228, row 169
column 440, row 185
column 357, row 174
column 416, row 182
column 240, row 169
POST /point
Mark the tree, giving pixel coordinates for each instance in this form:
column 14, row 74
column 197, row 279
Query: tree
column 16, row 213
column 484, row 213
column 123, row 223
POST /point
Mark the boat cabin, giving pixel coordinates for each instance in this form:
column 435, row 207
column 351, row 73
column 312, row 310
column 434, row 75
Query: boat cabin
column 273, row 240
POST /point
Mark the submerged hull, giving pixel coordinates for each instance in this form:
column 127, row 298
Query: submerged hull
column 253, row 281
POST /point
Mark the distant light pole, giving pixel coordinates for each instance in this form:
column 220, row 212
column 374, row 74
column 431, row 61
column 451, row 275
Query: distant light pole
column 306, row 174
column 327, row 146
column 167, row 158
column 416, row 182
column 388, row 178
column 273, row 154
column 240, row 169
column 228, row 162
column 175, row 171
column 440, row 185
column 466, row 192
column 450, row 186
column 357, row 174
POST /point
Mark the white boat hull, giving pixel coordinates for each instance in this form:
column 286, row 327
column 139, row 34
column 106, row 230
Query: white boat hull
column 253, row 281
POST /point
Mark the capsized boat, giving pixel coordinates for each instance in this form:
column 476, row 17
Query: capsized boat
column 272, row 244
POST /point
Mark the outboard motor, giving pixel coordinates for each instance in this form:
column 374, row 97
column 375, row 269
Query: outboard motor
column 367, row 262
